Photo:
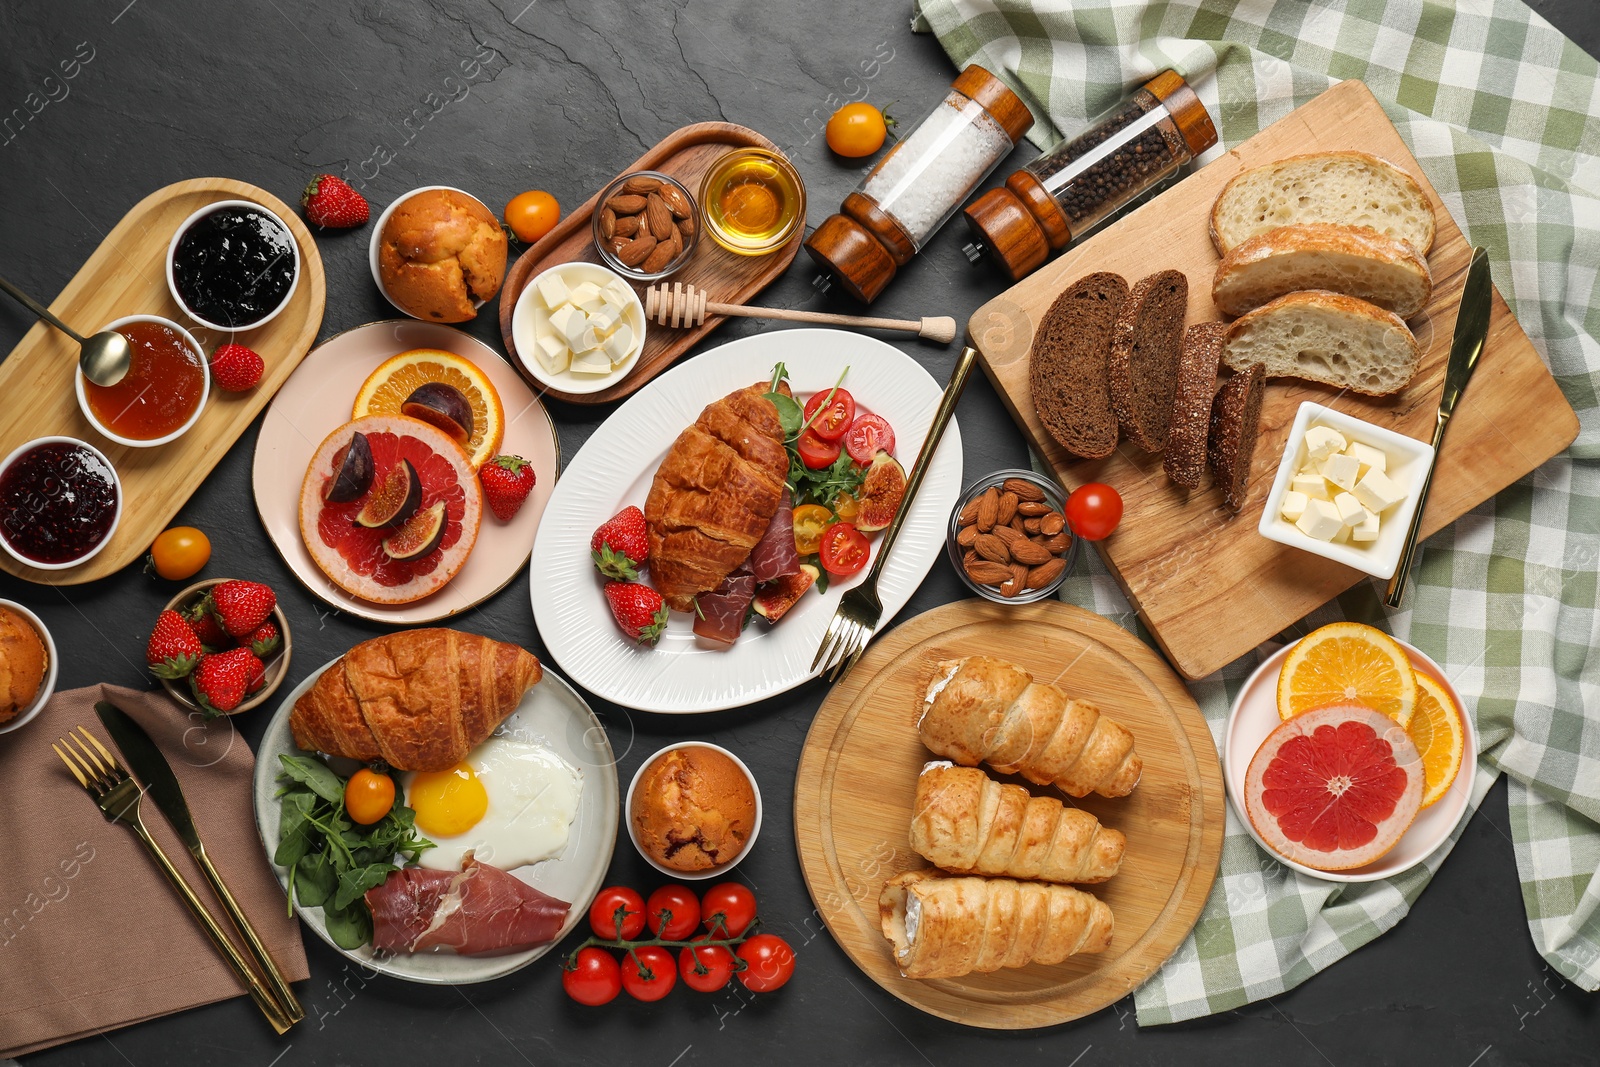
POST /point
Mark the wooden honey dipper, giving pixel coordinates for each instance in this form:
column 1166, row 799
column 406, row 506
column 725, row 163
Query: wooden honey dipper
column 678, row 304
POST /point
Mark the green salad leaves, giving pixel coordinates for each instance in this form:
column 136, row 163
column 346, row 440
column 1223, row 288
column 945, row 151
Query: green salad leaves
column 809, row 486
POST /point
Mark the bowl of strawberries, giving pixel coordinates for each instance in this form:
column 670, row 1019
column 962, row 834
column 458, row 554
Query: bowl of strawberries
column 221, row 646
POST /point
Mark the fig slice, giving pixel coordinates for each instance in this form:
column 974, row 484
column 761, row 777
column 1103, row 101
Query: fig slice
column 394, row 501
column 881, row 492
column 352, row 471
column 419, row 535
column 774, row 599
column 443, row 406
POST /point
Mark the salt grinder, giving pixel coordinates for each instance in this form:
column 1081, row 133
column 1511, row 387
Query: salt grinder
column 1067, row 192
column 918, row 185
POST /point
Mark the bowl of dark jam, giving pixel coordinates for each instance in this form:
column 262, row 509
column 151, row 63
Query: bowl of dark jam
column 233, row 266
column 60, row 500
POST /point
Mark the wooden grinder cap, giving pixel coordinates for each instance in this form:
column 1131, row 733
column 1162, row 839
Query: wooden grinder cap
column 1007, row 107
column 1190, row 115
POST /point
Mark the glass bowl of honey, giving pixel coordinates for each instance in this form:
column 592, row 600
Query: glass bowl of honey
column 752, row 201
column 162, row 394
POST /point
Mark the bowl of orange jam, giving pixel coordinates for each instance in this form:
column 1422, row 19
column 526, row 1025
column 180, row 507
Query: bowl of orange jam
column 162, row 394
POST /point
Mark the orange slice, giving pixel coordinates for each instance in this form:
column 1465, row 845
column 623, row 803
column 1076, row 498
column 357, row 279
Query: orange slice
column 1435, row 728
column 399, row 376
column 1348, row 663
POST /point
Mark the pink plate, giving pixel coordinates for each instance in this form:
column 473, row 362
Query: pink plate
column 316, row 400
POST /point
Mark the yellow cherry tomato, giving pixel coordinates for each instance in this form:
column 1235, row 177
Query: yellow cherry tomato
column 180, row 552
column 532, row 214
column 368, row 796
column 847, row 507
column 809, row 522
column 856, row 130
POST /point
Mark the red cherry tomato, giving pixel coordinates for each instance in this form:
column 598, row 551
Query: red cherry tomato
column 658, row 978
column 769, row 963
column 844, row 549
column 685, row 909
column 595, row 979
column 1093, row 510
column 603, row 913
column 714, row 960
column 816, row 453
column 869, row 435
column 835, row 422
column 728, row 909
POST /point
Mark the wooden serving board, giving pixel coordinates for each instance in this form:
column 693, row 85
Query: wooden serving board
column 858, row 775
column 1207, row 584
column 686, row 155
column 126, row 275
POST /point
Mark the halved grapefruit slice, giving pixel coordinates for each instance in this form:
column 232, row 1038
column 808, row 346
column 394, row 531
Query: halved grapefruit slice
column 352, row 555
column 1334, row 788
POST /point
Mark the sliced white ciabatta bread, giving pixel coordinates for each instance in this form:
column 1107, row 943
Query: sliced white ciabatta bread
column 1353, row 260
column 1349, row 188
column 1326, row 337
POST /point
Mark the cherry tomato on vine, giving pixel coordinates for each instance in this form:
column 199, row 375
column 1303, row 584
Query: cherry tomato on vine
column 603, row 913
column 835, row 422
column 715, row 960
column 532, row 214
column 816, row 453
column 180, row 552
column 368, row 796
column 769, row 963
column 1093, row 510
column 594, row 979
column 728, row 909
column 869, row 435
column 856, row 130
column 658, row 977
column 844, row 549
column 685, row 909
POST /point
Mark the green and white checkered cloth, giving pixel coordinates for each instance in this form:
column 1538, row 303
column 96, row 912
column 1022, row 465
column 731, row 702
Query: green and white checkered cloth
column 1498, row 108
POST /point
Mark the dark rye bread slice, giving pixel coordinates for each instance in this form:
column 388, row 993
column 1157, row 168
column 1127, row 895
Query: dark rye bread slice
column 1067, row 366
column 1145, row 345
column 1235, row 419
column 1185, row 459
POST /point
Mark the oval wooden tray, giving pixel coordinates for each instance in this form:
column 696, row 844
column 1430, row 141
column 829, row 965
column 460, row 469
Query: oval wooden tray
column 686, row 154
column 126, row 275
column 858, row 773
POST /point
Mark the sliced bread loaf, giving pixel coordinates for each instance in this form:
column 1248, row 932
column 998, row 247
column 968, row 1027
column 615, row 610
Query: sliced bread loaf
column 1067, row 365
column 1326, row 337
column 1353, row 260
column 1145, row 347
column 1352, row 188
column 1185, row 459
column 1235, row 420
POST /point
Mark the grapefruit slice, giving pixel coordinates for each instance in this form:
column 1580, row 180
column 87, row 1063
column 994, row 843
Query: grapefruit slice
column 388, row 388
column 351, row 555
column 1334, row 788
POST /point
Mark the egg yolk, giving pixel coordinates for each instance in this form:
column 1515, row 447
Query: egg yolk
column 448, row 803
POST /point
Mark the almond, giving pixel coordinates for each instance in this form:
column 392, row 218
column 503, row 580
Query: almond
column 1052, row 524
column 1030, row 552
column 677, row 203
column 1059, row 543
column 1008, row 535
column 967, row 535
column 1008, row 508
column 608, row 223
column 641, row 185
column 985, row 573
column 636, row 251
column 1019, row 575
column 969, row 557
column 686, row 227
column 1017, row 522
column 988, row 509
column 1024, row 489
column 617, row 242
column 969, row 513
column 1045, row 573
column 1009, row 587
column 991, row 548
column 627, row 225
column 1033, row 508
column 659, row 217
column 626, row 203
column 1030, row 526
column 658, row 259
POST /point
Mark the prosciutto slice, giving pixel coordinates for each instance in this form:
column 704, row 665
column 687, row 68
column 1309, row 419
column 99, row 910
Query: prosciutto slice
column 774, row 555
column 477, row 911
column 720, row 613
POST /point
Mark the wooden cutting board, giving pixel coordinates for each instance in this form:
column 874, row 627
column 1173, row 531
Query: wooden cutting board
column 1205, row 582
column 858, row 774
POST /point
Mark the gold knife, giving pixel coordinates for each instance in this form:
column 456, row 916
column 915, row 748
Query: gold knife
column 1472, row 328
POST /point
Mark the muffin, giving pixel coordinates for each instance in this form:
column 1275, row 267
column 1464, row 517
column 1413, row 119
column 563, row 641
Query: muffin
column 439, row 251
column 22, row 664
column 693, row 809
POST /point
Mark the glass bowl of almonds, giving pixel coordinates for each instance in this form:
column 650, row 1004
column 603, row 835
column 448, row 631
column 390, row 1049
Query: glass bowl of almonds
column 1009, row 539
column 646, row 225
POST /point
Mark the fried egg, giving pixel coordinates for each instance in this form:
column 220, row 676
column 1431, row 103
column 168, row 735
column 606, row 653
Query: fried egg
column 511, row 803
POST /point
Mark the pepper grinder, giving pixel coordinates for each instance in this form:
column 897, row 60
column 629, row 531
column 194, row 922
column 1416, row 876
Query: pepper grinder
column 918, row 185
column 1065, row 193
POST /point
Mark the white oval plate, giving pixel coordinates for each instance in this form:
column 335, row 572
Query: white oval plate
column 551, row 713
column 615, row 468
column 1255, row 715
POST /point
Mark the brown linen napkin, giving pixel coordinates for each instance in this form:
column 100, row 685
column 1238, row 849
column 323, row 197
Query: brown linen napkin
column 92, row 936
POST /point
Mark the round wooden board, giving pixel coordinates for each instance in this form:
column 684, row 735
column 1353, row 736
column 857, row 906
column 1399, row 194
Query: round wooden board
column 858, row 773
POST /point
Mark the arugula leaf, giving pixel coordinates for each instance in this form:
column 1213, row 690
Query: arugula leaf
column 354, row 884
column 350, row 927
column 315, row 880
column 791, row 416
column 315, row 774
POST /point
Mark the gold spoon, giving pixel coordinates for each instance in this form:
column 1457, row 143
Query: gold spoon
column 104, row 357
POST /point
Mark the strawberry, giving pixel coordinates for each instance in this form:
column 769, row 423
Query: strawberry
column 619, row 546
column 258, row 676
column 173, row 650
column 507, row 481
column 206, row 629
column 220, row 682
column 235, row 368
column 241, row 607
column 264, row 640
column 638, row 609
column 330, row 201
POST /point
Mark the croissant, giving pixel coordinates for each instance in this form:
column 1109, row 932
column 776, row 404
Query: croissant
column 968, row 824
column 419, row 700
column 982, row 710
column 943, row 926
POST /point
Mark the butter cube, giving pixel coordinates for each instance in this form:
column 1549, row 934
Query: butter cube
column 619, row 344
column 561, row 318
column 553, row 352
column 586, row 297
column 1320, row 520
column 1367, row 528
column 1378, row 492
column 1322, row 442
column 1349, row 508
column 1370, row 458
column 572, row 326
column 1342, row 470
column 1294, row 505
column 593, row 362
column 553, row 291
column 591, row 338
column 1313, row 486
column 605, row 318
column 618, row 292
column 1342, row 537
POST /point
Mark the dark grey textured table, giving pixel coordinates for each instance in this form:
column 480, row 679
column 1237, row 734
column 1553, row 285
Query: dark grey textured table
column 565, row 95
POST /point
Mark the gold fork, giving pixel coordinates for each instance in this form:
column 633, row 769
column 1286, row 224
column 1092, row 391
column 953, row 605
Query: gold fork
column 118, row 797
column 860, row 609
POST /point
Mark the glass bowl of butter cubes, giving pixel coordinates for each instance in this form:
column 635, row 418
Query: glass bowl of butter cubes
column 578, row 327
column 1346, row 489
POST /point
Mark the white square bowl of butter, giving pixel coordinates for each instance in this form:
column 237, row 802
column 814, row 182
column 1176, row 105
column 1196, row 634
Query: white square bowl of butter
column 578, row 327
column 1345, row 490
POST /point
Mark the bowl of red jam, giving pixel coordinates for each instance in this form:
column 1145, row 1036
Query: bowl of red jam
column 60, row 500
column 233, row 266
column 163, row 393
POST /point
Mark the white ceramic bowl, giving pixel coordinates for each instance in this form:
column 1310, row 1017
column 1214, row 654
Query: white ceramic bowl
column 205, row 386
column 1408, row 461
column 377, row 239
column 116, row 515
column 530, row 313
column 172, row 251
column 721, row 868
column 47, row 685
